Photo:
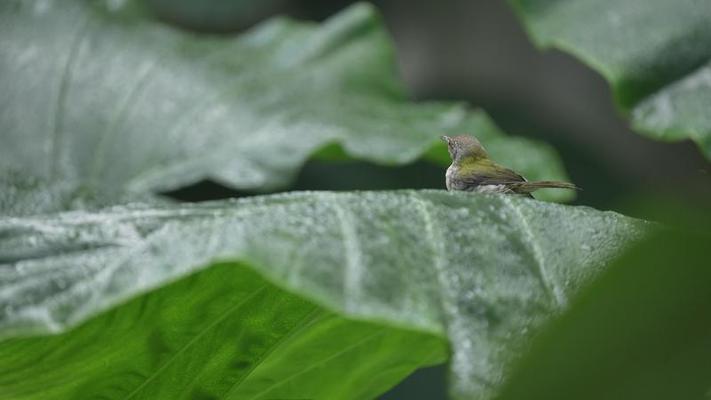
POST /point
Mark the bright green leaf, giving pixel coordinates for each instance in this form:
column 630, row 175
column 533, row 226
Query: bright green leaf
column 99, row 95
column 477, row 273
column 656, row 54
column 221, row 333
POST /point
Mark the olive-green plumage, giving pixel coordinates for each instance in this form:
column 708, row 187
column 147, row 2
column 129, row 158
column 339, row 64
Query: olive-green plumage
column 472, row 170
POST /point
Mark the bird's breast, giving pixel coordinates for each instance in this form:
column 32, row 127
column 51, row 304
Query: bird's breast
column 449, row 175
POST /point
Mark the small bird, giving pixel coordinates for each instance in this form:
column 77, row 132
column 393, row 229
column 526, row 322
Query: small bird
column 473, row 171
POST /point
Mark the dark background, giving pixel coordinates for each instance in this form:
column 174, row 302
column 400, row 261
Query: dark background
column 476, row 51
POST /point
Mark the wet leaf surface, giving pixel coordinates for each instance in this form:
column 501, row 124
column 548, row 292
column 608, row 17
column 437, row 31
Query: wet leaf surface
column 475, row 273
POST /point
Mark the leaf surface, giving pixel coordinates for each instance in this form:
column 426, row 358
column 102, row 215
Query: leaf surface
column 99, row 94
column 221, row 333
column 656, row 54
column 427, row 268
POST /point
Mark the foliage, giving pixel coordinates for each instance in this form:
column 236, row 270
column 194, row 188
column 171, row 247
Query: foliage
column 110, row 100
column 655, row 54
column 642, row 331
column 110, row 291
column 221, row 333
column 474, row 272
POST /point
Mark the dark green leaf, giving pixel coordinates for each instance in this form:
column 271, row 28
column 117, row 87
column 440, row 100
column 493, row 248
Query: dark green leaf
column 642, row 331
column 656, row 54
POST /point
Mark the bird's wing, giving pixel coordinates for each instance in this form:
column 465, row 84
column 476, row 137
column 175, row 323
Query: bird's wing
column 494, row 176
column 499, row 176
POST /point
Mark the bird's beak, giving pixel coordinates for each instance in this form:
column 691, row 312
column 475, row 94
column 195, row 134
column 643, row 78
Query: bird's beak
column 445, row 138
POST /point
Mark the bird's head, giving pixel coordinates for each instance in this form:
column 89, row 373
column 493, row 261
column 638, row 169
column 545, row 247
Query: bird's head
column 464, row 147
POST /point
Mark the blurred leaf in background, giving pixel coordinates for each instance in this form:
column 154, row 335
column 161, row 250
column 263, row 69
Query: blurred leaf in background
column 655, row 54
column 641, row 331
column 114, row 101
column 214, row 16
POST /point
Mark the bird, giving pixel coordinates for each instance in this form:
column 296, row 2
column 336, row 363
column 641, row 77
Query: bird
column 473, row 171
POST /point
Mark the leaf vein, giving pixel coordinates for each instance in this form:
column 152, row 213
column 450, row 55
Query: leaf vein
column 345, row 350
column 57, row 120
column 352, row 275
column 434, row 236
column 306, row 321
column 194, row 340
column 121, row 109
column 547, row 282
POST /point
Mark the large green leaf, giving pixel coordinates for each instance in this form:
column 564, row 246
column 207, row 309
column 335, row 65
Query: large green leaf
column 421, row 270
column 640, row 332
column 306, row 295
column 222, row 333
column 656, row 54
column 102, row 96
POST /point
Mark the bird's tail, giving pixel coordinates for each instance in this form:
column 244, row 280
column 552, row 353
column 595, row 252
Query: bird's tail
column 529, row 187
